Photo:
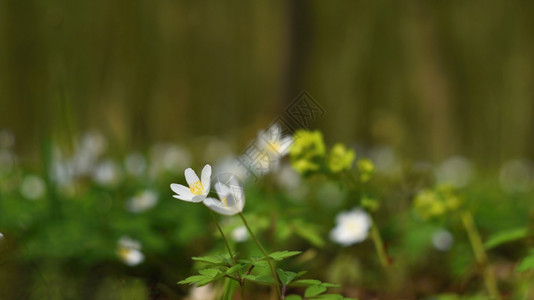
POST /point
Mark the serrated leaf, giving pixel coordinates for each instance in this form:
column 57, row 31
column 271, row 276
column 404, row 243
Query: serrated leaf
column 305, row 282
column 279, row 255
column 293, row 297
column 527, row 263
column 286, row 276
column 192, row 279
column 210, row 272
column 215, row 260
column 261, row 279
column 505, row 237
column 314, row 290
column 234, row 268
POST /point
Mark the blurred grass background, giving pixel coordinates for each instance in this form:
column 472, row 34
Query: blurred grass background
column 431, row 79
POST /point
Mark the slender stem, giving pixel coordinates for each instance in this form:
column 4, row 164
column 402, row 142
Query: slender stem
column 379, row 245
column 480, row 254
column 223, row 236
column 273, row 271
column 242, row 289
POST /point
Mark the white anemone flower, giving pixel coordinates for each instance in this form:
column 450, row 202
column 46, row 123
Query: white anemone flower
column 232, row 198
column 129, row 251
column 197, row 190
column 352, row 227
column 142, row 201
column 240, row 234
column 273, row 142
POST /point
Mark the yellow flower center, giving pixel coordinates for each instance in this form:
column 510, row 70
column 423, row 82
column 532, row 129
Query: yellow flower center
column 197, row 188
column 123, row 252
column 274, row 147
column 224, row 201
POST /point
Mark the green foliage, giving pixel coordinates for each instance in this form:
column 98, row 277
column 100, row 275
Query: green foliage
column 506, row 236
column 437, row 202
column 340, row 158
column 527, row 263
column 308, row 151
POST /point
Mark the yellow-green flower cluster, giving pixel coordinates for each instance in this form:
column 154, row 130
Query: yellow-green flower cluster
column 340, row 158
column 308, row 151
column 366, row 168
column 437, row 202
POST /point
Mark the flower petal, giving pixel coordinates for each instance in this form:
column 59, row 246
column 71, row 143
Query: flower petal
column 206, row 178
column 185, row 198
column 198, row 198
column 190, row 176
column 222, row 190
column 218, row 207
column 181, row 190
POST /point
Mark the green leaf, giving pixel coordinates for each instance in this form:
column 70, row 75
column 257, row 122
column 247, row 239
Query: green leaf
column 314, row 290
column 235, row 268
column 210, row 272
column 505, row 237
column 305, row 282
column 192, row 279
column 286, row 276
column 260, row 279
column 214, row 260
column 293, row 297
column 527, row 263
column 279, row 255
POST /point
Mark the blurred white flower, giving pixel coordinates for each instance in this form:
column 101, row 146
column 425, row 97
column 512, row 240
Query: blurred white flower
column 352, row 227
column 107, row 173
column 143, row 201
column 232, row 198
column 456, row 170
column 205, row 292
column 1, row 236
column 61, row 170
column 93, row 144
column 197, row 190
column 135, row 164
column 442, row 240
column 32, row 187
column 516, row 175
column 272, row 141
column 129, row 251
column 168, row 158
column 240, row 234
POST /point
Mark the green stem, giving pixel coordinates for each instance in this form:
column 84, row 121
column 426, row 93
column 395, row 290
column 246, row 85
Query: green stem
column 379, row 245
column 273, row 271
column 223, row 236
column 480, row 254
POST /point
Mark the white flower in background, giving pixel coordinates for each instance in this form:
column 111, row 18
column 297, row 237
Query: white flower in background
column 456, row 170
column 516, row 175
column 352, row 227
column 205, row 292
column 61, row 170
column 143, row 201
column 135, row 164
column 273, row 143
column 88, row 149
column 240, row 234
column 107, row 173
column 1, row 236
column 442, row 240
column 288, row 178
column 232, row 198
column 168, row 158
column 32, row 187
column 129, row 251
column 197, row 190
